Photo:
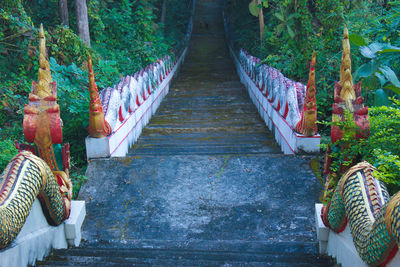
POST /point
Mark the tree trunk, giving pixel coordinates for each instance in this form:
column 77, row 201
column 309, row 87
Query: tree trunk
column 63, row 10
column 261, row 19
column 163, row 11
column 82, row 21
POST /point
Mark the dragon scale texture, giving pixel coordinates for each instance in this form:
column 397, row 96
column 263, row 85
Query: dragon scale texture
column 40, row 169
column 363, row 202
column 25, row 178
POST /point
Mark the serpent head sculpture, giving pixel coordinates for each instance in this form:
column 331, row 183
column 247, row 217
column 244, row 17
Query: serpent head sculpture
column 98, row 126
column 40, row 169
column 358, row 198
column 308, row 123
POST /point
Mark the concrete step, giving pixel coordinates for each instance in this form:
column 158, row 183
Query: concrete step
column 93, row 256
column 208, row 138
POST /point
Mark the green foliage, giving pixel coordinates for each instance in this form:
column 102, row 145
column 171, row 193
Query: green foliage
column 125, row 37
column 78, row 178
column 7, row 152
column 381, row 149
column 66, row 47
column 377, row 71
column 73, row 95
column 253, row 8
column 126, row 32
column 294, row 28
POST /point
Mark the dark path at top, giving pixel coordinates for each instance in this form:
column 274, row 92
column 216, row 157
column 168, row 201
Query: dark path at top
column 207, row 110
column 205, row 185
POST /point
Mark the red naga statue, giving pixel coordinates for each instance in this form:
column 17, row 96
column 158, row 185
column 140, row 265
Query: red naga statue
column 98, row 126
column 308, row 123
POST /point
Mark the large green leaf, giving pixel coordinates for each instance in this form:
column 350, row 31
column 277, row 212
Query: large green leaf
column 254, row 8
column 393, row 88
column 390, row 50
column 381, row 98
column 357, row 40
column 265, row 3
column 371, row 50
column 279, row 16
column 381, row 78
column 390, row 75
column 367, row 69
column 290, row 31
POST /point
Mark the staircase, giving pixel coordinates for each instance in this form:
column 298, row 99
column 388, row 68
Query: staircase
column 205, row 185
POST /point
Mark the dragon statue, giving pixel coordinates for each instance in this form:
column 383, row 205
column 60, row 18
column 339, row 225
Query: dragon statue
column 39, row 170
column 358, row 198
column 308, row 123
column 98, row 126
column 294, row 102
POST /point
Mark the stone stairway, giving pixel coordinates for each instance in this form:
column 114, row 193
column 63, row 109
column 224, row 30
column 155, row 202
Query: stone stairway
column 205, row 185
column 181, row 257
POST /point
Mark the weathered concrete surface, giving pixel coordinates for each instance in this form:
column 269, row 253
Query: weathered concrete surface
column 213, row 198
column 205, row 185
column 191, row 210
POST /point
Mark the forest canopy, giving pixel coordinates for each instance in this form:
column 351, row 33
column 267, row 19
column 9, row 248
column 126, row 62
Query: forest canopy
column 125, row 36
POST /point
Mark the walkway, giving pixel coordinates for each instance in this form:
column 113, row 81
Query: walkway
column 205, row 185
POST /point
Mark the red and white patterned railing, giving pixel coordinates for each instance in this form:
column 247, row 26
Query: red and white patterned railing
column 129, row 105
column 279, row 100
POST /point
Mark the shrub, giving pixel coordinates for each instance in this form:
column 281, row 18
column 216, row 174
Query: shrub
column 7, row 152
column 381, row 148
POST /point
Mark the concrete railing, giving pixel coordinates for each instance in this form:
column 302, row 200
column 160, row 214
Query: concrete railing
column 340, row 245
column 278, row 99
column 37, row 238
column 130, row 104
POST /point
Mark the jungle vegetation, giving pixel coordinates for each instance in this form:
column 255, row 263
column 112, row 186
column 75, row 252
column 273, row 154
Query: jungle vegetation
column 125, row 36
column 294, row 28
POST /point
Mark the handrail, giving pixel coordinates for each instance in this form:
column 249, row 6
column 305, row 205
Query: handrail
column 129, row 105
column 288, row 107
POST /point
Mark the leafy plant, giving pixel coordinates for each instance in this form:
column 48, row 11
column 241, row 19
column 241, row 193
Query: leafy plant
column 287, row 22
column 73, row 98
column 381, row 148
column 254, row 7
column 380, row 57
column 7, row 152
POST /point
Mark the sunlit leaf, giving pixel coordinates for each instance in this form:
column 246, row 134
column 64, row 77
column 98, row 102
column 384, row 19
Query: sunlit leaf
column 290, row 32
column 357, row 40
column 371, row 50
column 390, row 50
column 253, row 8
column 279, row 16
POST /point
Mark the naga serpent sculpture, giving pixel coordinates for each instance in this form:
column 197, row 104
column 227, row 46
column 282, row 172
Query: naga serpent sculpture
column 39, row 170
column 359, row 199
column 98, row 126
column 308, row 122
column 292, row 100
